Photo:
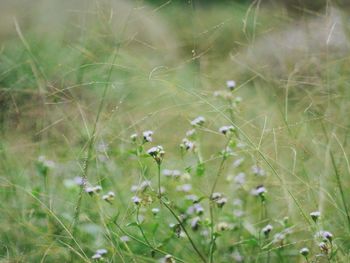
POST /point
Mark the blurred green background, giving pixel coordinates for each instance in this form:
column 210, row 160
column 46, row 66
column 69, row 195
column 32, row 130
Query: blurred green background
column 162, row 62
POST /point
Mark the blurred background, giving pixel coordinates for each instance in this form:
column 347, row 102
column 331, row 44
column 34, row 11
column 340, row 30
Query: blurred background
column 162, row 62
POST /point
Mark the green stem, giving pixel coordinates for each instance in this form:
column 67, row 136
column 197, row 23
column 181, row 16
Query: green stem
column 184, row 229
column 145, row 244
column 212, row 237
column 141, row 229
column 159, row 188
column 337, row 176
column 341, row 190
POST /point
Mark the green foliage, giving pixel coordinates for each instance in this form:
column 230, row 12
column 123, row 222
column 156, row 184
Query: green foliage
column 78, row 175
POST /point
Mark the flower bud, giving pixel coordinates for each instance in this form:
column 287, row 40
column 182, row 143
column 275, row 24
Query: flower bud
column 231, row 84
column 266, row 230
column 133, row 137
column 136, row 200
column 315, row 215
column 304, row 251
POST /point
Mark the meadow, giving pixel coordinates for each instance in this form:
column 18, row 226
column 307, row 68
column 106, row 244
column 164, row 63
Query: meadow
column 174, row 132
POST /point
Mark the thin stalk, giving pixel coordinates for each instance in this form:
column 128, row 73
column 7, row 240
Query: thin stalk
column 92, row 138
column 218, row 175
column 145, row 244
column 184, row 229
column 341, row 190
column 159, row 188
column 337, row 176
column 141, row 229
column 90, row 147
column 176, row 217
column 212, row 238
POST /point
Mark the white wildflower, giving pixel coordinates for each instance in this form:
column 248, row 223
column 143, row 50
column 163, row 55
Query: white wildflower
column 238, row 162
column 257, row 170
column 199, row 121
column 267, row 229
column 315, row 215
column 304, row 251
column 240, row 179
column 231, row 84
column 136, row 200
column 226, row 129
column 184, row 188
column 157, row 153
column 147, row 136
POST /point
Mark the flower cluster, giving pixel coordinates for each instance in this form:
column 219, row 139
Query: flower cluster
column 99, row 254
column 157, row 153
column 109, row 197
column 147, row 136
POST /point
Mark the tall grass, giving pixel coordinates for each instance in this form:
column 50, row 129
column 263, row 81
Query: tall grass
column 257, row 172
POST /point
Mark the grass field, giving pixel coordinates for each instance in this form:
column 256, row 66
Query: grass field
column 249, row 104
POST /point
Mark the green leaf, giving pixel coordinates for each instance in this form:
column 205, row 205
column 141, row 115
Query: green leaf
column 200, row 169
column 132, row 224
